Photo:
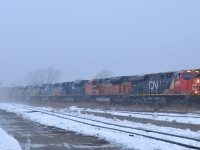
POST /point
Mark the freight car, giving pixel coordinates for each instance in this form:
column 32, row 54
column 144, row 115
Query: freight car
column 180, row 86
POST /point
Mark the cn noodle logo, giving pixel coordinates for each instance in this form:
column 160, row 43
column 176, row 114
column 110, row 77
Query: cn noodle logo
column 153, row 85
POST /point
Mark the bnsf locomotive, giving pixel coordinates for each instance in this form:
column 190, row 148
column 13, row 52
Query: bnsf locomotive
column 164, row 87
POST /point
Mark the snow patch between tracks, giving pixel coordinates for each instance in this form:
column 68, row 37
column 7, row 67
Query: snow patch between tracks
column 169, row 117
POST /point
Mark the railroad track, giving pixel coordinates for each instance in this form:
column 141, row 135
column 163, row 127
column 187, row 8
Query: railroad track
column 150, row 114
column 161, row 115
column 131, row 131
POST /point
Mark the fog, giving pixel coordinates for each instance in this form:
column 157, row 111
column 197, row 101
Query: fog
column 81, row 38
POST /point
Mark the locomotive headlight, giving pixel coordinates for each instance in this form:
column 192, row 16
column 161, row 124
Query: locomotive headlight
column 198, row 81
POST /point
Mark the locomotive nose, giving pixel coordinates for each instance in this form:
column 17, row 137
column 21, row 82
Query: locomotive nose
column 198, row 81
column 196, row 86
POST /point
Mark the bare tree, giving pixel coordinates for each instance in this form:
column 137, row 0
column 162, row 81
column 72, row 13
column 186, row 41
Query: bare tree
column 43, row 76
column 52, row 75
column 104, row 74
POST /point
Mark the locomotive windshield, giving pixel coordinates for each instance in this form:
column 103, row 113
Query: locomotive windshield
column 188, row 76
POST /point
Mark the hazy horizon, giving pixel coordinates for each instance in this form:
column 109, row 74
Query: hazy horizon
column 82, row 38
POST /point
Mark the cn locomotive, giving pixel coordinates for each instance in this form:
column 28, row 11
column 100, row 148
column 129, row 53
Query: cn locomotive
column 165, row 87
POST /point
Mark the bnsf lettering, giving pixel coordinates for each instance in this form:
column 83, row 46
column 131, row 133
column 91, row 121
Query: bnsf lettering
column 153, row 85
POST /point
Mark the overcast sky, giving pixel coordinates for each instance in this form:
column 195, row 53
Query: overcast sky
column 83, row 37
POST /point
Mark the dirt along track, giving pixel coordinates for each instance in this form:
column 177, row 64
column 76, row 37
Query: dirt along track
column 33, row 136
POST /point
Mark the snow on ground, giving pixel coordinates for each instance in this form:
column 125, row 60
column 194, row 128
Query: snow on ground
column 170, row 117
column 7, row 142
column 132, row 124
column 115, row 137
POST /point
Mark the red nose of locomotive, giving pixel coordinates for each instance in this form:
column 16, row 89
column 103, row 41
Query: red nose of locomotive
column 196, row 86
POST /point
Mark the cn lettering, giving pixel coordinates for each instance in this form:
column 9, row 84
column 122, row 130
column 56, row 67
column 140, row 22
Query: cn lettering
column 153, row 85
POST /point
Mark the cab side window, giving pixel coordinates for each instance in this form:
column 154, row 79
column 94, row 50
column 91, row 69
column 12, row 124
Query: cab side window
column 176, row 76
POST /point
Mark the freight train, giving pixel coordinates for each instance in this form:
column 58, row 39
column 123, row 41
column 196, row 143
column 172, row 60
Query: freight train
column 178, row 86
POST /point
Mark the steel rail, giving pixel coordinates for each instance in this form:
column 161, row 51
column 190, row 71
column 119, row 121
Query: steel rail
column 183, row 116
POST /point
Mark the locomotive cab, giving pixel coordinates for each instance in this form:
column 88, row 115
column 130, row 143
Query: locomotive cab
column 187, row 82
column 193, row 77
column 196, row 83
